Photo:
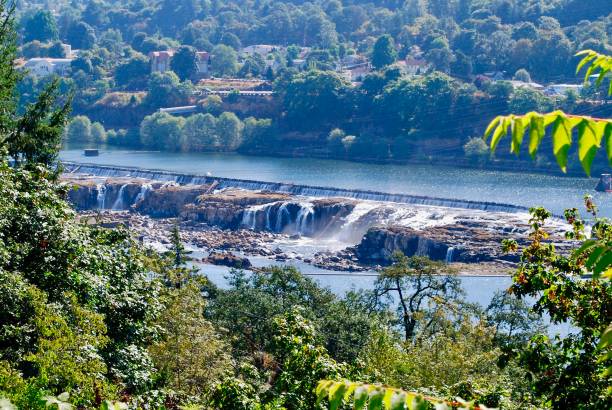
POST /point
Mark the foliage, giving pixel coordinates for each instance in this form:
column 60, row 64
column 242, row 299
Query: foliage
column 566, row 371
column 384, row 52
column 592, row 134
column 379, row 397
column 41, row 26
column 344, row 325
column 183, row 62
column 476, row 149
column 421, row 289
column 224, row 61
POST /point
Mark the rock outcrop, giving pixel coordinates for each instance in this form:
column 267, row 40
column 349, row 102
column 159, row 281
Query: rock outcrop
column 228, row 259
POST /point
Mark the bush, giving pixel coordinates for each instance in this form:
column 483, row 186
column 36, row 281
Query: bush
column 476, row 149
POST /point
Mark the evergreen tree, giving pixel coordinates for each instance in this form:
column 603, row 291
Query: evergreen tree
column 384, row 52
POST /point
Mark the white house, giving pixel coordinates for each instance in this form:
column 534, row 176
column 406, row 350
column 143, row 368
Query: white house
column 261, row 49
column 42, row 67
column 531, row 85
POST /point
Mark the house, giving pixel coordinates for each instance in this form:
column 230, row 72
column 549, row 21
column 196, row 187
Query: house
column 261, row 49
column 531, row 85
column 416, row 65
column 42, row 67
column 357, row 72
column 562, row 89
column 203, row 63
column 160, row 61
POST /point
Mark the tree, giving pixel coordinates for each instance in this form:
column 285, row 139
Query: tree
column 191, row 352
column 40, row 26
column 81, row 36
column 476, row 149
column 165, row 90
column 522, row 75
column 98, row 133
column 183, row 62
column 384, row 52
column 161, row 131
column 134, row 73
column 78, row 130
column 420, row 287
column 224, row 61
column 200, row 134
column 229, row 131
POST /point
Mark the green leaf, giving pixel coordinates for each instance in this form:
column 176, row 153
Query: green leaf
column 562, row 139
column 322, row 390
column 336, row 395
column 500, row 132
column 588, row 143
column 602, row 75
column 588, row 244
column 608, row 138
column 360, row 397
column 603, row 263
column 585, row 60
column 594, row 257
column 536, row 133
column 492, row 126
column 376, row 399
column 519, row 126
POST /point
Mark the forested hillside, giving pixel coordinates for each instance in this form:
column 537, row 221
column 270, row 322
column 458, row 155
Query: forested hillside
column 394, row 74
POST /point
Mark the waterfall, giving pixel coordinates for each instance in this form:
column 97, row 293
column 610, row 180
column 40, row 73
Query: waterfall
column 282, row 211
column 249, row 216
column 305, row 219
column 301, row 190
column 449, row 254
column 118, row 205
column 101, row 197
column 143, row 193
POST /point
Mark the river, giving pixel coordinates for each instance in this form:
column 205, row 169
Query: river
column 553, row 192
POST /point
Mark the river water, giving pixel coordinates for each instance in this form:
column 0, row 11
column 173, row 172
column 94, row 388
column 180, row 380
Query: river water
column 553, row 192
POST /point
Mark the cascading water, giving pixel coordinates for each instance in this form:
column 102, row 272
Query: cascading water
column 118, row 205
column 101, row 196
column 450, row 254
column 305, row 219
column 143, row 193
column 280, row 217
column 301, row 190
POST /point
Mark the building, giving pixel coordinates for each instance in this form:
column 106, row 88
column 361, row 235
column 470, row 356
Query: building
column 160, row 62
column 416, row 65
column 42, row 67
column 562, row 89
column 356, row 73
column 203, row 63
column 261, row 49
column 531, row 85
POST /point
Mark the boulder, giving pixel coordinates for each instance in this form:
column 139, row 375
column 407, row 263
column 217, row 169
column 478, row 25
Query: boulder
column 228, row 259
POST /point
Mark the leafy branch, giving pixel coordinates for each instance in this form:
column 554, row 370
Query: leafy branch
column 592, row 132
column 379, row 397
column 598, row 64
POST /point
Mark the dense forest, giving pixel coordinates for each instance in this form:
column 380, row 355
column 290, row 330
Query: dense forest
column 466, row 51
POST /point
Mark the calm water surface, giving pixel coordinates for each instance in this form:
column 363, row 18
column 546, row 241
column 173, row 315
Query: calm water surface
column 554, row 192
